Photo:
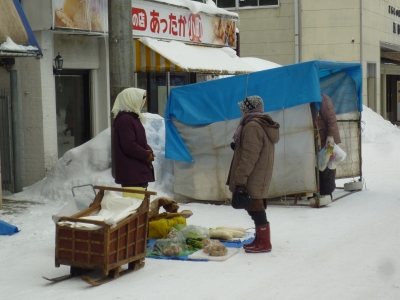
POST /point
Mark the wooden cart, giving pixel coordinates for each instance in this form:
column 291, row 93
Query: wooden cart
column 105, row 249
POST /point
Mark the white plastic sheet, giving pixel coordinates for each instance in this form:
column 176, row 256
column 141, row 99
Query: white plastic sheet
column 205, row 179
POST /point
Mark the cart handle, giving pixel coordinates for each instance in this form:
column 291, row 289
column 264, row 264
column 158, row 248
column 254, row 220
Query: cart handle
column 115, row 189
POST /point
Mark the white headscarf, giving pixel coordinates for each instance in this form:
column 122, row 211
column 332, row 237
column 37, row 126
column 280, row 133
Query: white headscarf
column 130, row 100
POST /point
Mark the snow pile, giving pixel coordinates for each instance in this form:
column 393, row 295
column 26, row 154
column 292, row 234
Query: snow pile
column 90, row 163
column 376, row 129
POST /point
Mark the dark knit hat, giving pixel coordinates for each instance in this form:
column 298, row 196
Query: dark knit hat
column 251, row 102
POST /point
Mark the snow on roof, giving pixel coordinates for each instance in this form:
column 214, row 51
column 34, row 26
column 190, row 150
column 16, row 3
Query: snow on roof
column 198, row 58
column 209, row 7
column 9, row 45
column 260, row 64
column 221, row 60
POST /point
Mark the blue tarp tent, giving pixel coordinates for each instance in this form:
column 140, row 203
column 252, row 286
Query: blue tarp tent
column 198, row 116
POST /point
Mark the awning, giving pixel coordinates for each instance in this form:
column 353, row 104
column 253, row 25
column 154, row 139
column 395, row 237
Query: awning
column 173, row 56
column 16, row 35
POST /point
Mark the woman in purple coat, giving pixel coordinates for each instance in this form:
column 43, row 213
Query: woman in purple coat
column 132, row 155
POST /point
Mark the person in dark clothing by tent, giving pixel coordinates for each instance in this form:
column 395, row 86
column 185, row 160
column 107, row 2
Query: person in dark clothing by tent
column 329, row 133
column 133, row 157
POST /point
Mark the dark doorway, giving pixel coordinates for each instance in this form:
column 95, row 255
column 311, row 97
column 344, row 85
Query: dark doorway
column 392, row 88
column 72, row 109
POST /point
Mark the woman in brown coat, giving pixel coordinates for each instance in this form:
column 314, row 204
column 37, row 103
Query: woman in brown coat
column 328, row 130
column 252, row 165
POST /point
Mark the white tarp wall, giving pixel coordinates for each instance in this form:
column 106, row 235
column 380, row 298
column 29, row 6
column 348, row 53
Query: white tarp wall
column 205, row 179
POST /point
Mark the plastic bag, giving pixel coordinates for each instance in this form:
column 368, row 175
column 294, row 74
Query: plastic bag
column 193, row 231
column 194, row 235
column 323, row 157
column 338, row 155
column 214, row 248
column 175, row 246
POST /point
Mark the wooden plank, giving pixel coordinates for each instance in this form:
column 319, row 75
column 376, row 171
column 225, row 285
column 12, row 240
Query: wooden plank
column 115, row 189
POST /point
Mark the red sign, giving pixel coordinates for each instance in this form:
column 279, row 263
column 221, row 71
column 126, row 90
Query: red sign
column 167, row 22
column 139, row 19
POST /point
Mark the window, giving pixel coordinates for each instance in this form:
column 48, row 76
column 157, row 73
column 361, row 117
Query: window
column 157, row 84
column 245, row 3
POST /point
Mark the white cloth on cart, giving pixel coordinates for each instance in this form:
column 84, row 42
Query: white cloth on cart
column 114, row 209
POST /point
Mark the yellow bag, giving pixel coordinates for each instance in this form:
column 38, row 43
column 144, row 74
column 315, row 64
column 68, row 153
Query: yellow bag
column 159, row 229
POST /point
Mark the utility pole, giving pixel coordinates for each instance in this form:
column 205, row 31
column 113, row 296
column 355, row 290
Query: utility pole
column 120, row 41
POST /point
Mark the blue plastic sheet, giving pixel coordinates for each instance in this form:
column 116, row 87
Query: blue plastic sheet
column 281, row 88
column 7, row 229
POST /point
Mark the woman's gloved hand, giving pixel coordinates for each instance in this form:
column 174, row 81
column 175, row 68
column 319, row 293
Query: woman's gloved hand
column 151, row 157
column 240, row 189
column 233, row 146
column 330, row 140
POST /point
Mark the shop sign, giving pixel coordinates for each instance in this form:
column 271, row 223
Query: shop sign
column 89, row 16
column 175, row 23
column 395, row 25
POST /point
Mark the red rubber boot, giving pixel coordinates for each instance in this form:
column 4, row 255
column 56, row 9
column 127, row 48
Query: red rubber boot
column 252, row 244
column 263, row 243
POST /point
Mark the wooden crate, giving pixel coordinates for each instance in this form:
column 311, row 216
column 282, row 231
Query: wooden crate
column 107, row 248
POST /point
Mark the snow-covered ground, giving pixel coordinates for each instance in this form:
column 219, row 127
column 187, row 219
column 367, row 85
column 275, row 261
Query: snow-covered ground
column 347, row 250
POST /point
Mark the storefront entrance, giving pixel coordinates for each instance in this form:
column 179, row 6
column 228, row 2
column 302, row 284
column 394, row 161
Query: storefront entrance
column 393, row 98
column 72, row 109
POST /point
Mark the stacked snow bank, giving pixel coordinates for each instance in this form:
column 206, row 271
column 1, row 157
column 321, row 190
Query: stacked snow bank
column 90, row 163
column 376, row 129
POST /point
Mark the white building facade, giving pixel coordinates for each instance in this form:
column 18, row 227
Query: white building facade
column 367, row 31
